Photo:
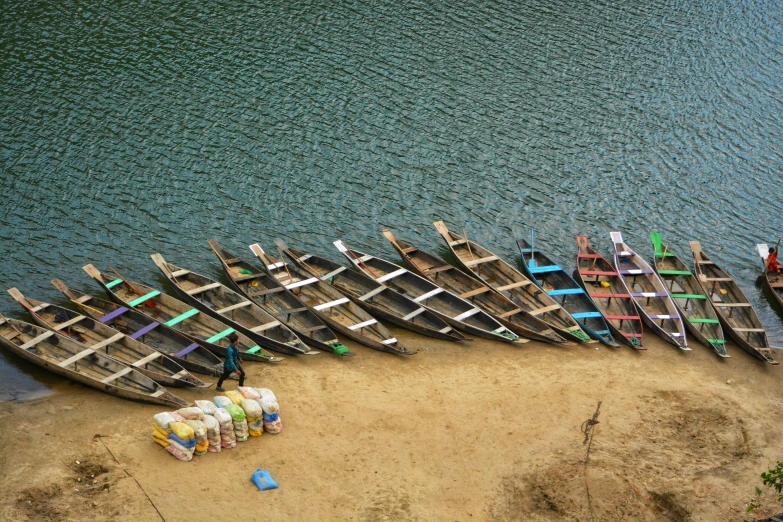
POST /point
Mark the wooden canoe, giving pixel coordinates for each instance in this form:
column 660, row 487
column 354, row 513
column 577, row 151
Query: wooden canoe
column 182, row 317
column 333, row 307
column 269, row 294
column 109, row 341
column 648, row 292
column 689, row 298
column 232, row 308
column 188, row 353
column 600, row 279
column 70, row 359
column 482, row 264
column 456, row 311
column 378, row 299
column 559, row 285
column 476, row 291
column 735, row 312
column 773, row 280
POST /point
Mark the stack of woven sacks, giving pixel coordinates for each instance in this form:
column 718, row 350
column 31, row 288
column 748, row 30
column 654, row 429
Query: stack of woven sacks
column 174, row 435
column 212, row 425
column 253, row 411
column 240, row 422
column 194, row 417
column 227, row 435
column 268, row 401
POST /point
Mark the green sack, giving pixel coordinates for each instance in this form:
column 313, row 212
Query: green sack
column 246, row 272
column 236, row 412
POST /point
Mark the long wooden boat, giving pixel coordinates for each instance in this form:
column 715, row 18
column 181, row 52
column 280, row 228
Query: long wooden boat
column 456, row 311
column 482, row 264
column 378, row 299
column 476, row 291
column 70, row 359
column 187, row 352
column 648, row 292
column 232, row 308
column 600, row 279
column 168, row 310
column 558, row 284
column 269, row 294
column 689, row 298
column 735, row 312
column 773, row 280
column 334, row 308
column 109, row 341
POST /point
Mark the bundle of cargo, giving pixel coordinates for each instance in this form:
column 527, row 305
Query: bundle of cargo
column 228, row 438
column 268, row 401
column 240, row 421
column 175, row 437
column 213, row 433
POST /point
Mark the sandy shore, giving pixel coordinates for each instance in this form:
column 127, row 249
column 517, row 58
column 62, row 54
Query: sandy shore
column 479, row 431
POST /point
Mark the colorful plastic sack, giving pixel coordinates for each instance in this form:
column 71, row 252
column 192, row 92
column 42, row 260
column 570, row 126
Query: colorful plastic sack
column 178, row 454
column 271, row 418
column 266, row 392
column 223, row 416
column 160, row 439
column 252, row 408
column 235, row 396
column 185, row 443
column 182, row 430
column 207, row 407
column 199, row 430
column 191, row 413
column 163, row 419
column 221, row 401
column 273, row 427
column 263, row 480
column 249, row 393
column 255, row 427
column 177, row 416
column 269, row 405
column 236, row 412
column 164, row 433
column 179, row 447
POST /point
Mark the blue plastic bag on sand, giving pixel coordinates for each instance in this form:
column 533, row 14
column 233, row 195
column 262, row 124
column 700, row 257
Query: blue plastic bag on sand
column 264, row 480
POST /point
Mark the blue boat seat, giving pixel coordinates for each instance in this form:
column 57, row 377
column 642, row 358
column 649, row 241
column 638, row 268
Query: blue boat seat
column 544, row 269
column 566, row 291
column 586, row 315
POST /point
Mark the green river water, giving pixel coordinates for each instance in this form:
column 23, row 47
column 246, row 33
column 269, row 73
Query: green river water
column 133, row 127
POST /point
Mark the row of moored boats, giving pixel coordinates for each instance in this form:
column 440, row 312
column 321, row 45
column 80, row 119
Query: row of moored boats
column 143, row 339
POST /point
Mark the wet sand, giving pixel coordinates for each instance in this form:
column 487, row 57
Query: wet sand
column 478, row 431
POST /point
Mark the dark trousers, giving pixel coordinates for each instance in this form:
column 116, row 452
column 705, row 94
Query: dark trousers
column 227, row 374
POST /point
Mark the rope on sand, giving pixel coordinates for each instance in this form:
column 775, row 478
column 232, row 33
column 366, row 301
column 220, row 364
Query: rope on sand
column 100, row 437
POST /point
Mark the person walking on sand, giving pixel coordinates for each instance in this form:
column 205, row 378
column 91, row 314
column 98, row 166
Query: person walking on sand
column 232, row 363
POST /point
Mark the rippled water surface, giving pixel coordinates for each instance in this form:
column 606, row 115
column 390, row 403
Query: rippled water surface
column 134, row 127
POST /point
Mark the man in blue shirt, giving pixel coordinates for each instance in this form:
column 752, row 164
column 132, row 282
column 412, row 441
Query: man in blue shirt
column 232, row 363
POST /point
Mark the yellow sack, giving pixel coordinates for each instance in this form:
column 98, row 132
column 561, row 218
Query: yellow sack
column 202, row 447
column 235, row 397
column 182, row 430
column 160, row 430
column 160, row 439
column 255, row 433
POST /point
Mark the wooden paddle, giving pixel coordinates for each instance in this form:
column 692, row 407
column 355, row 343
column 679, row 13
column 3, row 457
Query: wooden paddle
column 149, row 302
column 361, row 263
column 285, row 265
column 663, row 257
column 467, row 243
